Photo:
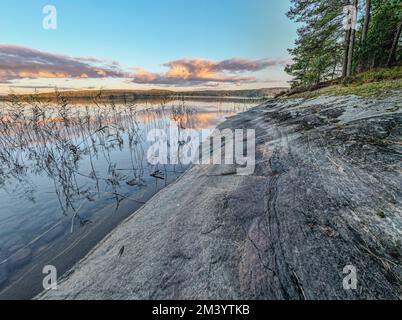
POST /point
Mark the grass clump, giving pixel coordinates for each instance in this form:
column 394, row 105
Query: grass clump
column 376, row 75
column 380, row 214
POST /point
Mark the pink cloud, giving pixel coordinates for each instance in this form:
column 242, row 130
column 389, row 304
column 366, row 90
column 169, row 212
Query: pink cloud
column 17, row 62
column 203, row 71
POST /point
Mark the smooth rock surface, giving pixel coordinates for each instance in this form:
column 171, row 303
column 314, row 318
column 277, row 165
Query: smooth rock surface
column 326, row 193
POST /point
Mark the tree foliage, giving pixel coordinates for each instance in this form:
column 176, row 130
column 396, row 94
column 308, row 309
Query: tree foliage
column 321, row 49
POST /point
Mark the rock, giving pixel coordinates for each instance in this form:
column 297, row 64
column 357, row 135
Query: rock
column 20, row 258
column 3, row 268
column 285, row 232
column 53, row 234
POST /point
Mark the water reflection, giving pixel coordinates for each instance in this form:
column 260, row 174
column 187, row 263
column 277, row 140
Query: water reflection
column 60, row 164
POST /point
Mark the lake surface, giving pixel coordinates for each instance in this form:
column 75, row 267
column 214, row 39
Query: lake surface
column 69, row 174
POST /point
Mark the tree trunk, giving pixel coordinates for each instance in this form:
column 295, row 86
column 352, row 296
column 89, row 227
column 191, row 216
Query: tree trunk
column 351, row 45
column 350, row 53
column 366, row 25
column 345, row 59
column 392, row 54
column 346, row 46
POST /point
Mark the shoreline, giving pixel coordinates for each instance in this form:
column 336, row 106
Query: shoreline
column 71, row 248
column 325, row 169
column 21, row 269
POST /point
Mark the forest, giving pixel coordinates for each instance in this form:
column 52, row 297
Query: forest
column 338, row 39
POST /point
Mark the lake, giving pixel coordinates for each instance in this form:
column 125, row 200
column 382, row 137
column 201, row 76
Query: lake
column 70, row 173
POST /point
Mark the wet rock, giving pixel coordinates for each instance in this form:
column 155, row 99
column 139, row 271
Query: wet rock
column 53, row 234
column 20, row 258
column 3, row 268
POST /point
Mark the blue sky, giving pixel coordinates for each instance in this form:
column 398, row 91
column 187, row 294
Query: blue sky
column 147, row 34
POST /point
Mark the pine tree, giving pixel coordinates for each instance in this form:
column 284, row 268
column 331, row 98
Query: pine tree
column 352, row 38
column 325, row 50
column 366, row 24
column 392, row 54
column 318, row 48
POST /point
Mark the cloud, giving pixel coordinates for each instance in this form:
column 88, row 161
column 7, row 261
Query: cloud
column 203, row 71
column 240, row 65
column 48, row 87
column 17, row 62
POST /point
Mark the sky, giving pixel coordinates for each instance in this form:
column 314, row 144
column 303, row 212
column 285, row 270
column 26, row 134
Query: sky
column 144, row 44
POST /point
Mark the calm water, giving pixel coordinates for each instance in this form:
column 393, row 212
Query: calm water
column 70, row 173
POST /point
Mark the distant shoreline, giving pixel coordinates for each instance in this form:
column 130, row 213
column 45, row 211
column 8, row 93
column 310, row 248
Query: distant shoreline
column 122, row 95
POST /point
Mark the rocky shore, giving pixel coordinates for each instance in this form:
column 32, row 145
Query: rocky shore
column 326, row 193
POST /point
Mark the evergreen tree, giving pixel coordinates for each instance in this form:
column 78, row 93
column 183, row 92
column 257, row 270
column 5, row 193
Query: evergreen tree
column 325, row 49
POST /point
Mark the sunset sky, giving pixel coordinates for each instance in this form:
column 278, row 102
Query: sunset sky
column 145, row 44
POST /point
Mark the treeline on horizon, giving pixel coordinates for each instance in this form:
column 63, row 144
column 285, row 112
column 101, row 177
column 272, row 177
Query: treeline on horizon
column 131, row 95
column 326, row 49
